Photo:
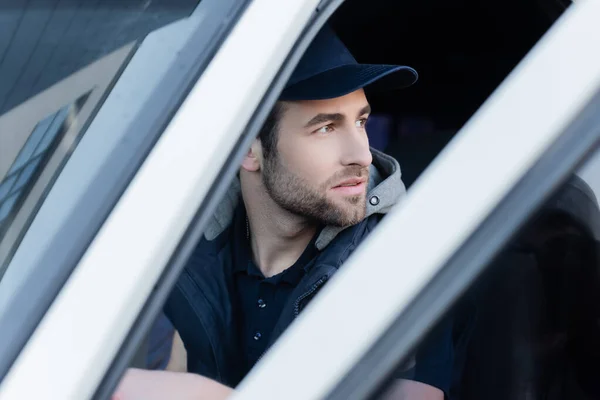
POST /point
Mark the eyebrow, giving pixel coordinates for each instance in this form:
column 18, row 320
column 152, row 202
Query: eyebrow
column 321, row 118
column 335, row 117
column 365, row 110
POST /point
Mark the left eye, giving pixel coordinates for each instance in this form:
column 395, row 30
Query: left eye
column 361, row 123
column 325, row 129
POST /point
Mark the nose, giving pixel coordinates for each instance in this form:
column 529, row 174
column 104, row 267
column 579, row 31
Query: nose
column 356, row 149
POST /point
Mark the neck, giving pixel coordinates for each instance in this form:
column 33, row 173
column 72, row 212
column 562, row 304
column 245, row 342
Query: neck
column 277, row 237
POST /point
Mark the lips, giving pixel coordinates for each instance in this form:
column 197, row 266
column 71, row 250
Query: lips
column 351, row 187
column 350, row 182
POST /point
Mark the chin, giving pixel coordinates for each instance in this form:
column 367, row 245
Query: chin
column 354, row 215
column 350, row 201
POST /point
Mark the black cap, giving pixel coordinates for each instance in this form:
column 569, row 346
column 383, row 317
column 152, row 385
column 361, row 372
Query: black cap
column 328, row 70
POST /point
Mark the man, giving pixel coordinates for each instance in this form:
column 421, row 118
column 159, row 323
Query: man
column 309, row 191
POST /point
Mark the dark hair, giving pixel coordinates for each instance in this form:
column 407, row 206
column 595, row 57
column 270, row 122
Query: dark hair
column 269, row 131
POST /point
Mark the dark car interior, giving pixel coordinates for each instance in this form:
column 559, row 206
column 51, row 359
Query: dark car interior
column 537, row 334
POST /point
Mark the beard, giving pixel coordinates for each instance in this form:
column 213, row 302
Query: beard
column 297, row 196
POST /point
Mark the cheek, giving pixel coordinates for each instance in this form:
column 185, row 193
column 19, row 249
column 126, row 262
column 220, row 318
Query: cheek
column 309, row 161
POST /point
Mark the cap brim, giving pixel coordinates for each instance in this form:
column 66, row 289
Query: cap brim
column 345, row 79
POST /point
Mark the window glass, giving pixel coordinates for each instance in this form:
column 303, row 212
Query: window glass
column 31, row 143
column 57, row 64
column 7, row 205
column 30, row 158
column 6, row 186
column 58, row 124
column 30, row 161
column 43, row 43
column 26, row 173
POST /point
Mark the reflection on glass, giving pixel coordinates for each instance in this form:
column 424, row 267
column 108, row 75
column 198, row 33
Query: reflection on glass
column 23, row 171
column 8, row 204
column 53, row 130
column 56, row 66
column 31, row 143
column 6, row 185
column 26, row 173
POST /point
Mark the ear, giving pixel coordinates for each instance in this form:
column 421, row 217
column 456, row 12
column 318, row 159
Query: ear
column 253, row 159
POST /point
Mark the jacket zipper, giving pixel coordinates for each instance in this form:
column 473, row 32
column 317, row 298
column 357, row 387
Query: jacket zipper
column 310, row 291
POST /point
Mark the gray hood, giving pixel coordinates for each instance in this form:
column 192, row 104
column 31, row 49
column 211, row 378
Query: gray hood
column 385, row 190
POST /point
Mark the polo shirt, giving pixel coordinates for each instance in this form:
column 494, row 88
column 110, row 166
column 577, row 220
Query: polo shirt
column 258, row 300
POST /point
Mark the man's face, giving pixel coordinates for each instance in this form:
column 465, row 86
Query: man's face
column 321, row 167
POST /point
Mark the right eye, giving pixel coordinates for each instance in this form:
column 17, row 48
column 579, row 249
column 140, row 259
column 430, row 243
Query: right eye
column 325, row 129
